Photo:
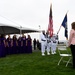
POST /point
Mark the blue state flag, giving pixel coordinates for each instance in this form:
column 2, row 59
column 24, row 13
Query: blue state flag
column 64, row 24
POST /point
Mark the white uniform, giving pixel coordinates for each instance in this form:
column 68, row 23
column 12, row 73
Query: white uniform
column 53, row 44
column 48, row 44
column 43, row 43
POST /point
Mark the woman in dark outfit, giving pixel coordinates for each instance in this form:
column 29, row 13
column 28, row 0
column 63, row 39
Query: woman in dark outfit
column 29, row 44
column 2, row 46
column 15, row 44
column 9, row 40
column 20, row 45
column 24, row 44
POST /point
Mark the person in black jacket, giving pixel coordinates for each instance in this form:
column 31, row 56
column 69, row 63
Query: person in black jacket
column 38, row 44
column 34, row 43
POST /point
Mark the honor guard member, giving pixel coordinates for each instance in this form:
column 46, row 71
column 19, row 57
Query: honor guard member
column 57, row 38
column 43, row 42
column 53, row 44
column 48, row 43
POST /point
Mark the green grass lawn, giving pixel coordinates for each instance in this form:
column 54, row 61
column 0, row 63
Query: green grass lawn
column 34, row 64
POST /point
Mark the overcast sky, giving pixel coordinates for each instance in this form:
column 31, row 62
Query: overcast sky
column 32, row 13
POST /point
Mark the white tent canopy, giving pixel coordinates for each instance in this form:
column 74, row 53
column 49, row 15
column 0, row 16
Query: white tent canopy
column 8, row 29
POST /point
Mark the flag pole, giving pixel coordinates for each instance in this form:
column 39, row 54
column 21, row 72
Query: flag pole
column 59, row 29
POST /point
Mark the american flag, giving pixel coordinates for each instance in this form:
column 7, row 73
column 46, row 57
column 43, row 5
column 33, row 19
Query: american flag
column 50, row 25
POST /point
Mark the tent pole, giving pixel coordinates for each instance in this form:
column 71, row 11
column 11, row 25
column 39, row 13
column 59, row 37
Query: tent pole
column 20, row 31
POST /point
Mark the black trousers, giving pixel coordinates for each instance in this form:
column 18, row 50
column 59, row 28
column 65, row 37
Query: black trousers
column 34, row 46
column 73, row 54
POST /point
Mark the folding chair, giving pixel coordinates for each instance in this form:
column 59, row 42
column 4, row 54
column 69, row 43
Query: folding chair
column 63, row 52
